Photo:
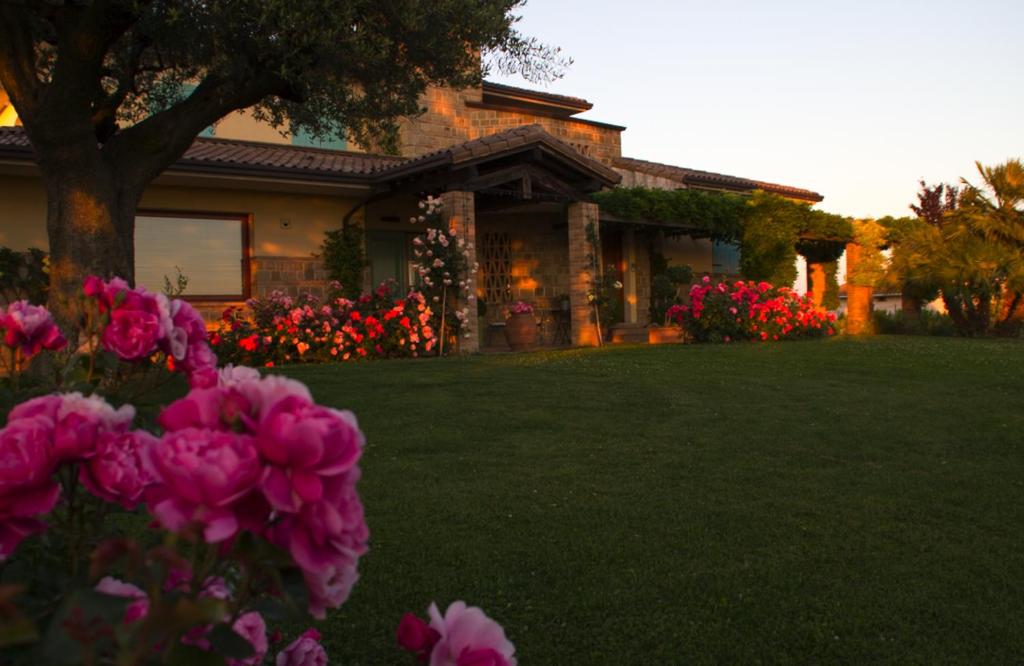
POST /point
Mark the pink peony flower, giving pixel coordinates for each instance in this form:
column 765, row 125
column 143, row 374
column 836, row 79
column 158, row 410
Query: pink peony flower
column 304, row 443
column 304, row 651
column 212, row 408
column 468, row 638
column 76, row 421
column 233, row 375
column 200, row 478
column 187, row 328
column 116, row 472
column 328, row 533
column 18, row 511
column 252, row 628
column 26, row 454
column 131, row 334
column 30, row 328
column 416, row 636
column 137, row 609
column 138, row 321
column 329, row 588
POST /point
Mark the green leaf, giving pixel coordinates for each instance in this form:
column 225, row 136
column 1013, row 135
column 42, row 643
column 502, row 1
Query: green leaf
column 228, row 643
column 86, row 609
column 188, row 655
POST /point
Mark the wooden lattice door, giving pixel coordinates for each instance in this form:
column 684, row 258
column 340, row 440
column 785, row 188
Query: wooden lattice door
column 496, row 268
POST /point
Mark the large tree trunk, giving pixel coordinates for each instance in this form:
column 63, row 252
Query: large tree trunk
column 90, row 222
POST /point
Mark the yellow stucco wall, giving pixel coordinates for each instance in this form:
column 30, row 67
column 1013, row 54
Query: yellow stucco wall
column 23, row 214
column 289, row 225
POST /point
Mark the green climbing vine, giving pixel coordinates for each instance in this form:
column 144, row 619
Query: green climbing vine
column 769, row 228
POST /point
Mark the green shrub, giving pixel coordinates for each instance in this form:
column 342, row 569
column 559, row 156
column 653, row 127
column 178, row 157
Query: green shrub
column 926, row 323
column 24, row 275
column 345, row 258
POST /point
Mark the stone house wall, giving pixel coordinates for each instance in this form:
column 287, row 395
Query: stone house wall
column 539, row 258
column 292, row 275
column 453, row 117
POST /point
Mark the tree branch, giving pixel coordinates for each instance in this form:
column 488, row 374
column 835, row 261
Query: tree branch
column 17, row 59
column 145, row 149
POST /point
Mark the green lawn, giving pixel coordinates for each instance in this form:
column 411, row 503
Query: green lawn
column 835, row 501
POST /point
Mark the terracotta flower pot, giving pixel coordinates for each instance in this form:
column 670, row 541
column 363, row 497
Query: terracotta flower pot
column 658, row 335
column 521, row 331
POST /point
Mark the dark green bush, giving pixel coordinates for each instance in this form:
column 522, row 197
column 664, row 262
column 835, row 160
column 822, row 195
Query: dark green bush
column 24, row 275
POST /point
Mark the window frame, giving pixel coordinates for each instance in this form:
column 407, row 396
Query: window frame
column 245, row 221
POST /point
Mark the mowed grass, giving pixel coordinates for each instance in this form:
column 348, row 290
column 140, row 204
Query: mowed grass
column 836, row 501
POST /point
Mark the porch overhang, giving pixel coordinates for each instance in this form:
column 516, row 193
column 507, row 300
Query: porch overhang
column 524, row 164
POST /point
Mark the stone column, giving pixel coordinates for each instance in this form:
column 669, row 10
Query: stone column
column 858, row 299
column 459, row 209
column 816, row 283
column 629, row 281
column 580, row 215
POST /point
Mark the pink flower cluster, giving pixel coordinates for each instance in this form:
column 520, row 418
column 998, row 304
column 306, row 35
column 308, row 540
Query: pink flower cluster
column 521, row 307
column 258, row 454
column 303, row 330
column 44, row 432
column 30, row 329
column 727, row 312
column 463, row 636
column 139, row 323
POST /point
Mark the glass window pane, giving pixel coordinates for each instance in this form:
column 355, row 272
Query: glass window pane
column 207, row 250
column 725, row 258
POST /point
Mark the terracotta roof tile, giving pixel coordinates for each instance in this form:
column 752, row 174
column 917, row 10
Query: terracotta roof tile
column 698, row 178
column 212, row 153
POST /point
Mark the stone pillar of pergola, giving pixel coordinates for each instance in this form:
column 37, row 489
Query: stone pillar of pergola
column 459, row 209
column 580, row 215
column 859, row 299
column 817, row 283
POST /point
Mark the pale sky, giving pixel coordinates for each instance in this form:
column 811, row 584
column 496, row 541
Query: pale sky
column 857, row 100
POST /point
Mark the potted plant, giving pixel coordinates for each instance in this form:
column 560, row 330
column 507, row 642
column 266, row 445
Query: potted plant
column 520, row 328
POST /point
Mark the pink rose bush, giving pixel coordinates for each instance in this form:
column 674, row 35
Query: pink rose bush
column 29, row 329
column 41, row 434
column 462, row 636
column 173, row 534
column 734, row 311
column 258, row 454
column 245, row 481
column 135, row 325
column 280, row 329
column 427, row 320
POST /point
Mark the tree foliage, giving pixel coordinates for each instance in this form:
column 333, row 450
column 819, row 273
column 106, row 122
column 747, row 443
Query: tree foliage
column 973, row 252
column 310, row 64
column 112, row 92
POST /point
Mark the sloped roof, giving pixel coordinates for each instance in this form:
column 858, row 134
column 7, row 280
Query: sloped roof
column 211, row 154
column 698, row 178
column 494, row 145
column 249, row 156
column 576, row 104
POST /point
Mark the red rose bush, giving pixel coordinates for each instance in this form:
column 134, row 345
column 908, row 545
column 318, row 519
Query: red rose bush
column 757, row 311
